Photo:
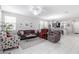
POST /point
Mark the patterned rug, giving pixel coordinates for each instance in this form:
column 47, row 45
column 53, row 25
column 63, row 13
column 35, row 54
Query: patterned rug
column 30, row 42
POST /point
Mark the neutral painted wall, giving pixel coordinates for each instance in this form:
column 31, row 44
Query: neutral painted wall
column 22, row 21
column 72, row 28
column 76, row 27
column 0, row 18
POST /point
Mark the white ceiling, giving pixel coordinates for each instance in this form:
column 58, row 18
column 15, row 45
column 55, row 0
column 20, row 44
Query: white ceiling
column 48, row 11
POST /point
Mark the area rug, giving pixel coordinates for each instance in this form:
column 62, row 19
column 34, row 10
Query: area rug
column 27, row 43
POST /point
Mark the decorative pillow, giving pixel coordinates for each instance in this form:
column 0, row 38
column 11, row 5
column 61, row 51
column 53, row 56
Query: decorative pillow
column 22, row 32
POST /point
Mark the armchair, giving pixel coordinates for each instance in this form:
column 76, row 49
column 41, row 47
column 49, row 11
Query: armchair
column 9, row 41
column 43, row 34
column 54, row 36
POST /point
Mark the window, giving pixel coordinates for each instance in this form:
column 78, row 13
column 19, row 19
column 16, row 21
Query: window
column 11, row 20
column 43, row 24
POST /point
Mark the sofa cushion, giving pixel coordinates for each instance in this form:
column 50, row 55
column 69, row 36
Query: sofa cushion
column 30, row 35
column 20, row 32
column 26, row 34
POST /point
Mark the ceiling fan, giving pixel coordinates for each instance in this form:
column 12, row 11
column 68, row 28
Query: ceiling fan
column 36, row 10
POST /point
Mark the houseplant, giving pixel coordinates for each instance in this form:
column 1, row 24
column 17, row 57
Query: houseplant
column 8, row 27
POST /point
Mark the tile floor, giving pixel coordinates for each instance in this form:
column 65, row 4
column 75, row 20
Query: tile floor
column 69, row 44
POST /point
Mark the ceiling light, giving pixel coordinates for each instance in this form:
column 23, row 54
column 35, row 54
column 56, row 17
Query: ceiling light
column 36, row 10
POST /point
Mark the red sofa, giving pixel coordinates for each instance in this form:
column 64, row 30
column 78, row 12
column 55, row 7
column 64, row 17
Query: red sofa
column 43, row 34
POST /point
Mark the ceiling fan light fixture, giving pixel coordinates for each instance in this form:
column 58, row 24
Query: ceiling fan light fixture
column 36, row 10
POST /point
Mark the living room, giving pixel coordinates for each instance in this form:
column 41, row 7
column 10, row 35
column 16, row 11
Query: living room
column 30, row 29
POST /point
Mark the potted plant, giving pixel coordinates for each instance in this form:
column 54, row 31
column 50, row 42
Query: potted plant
column 8, row 27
